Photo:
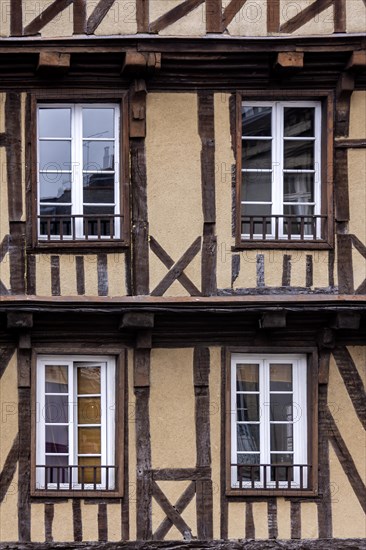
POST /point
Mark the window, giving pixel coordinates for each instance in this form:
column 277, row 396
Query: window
column 79, row 173
column 269, row 414
column 282, row 178
column 75, row 424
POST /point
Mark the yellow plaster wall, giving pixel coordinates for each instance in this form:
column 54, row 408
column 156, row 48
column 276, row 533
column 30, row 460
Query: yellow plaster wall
column 357, row 123
column 89, row 519
column 346, row 419
column 215, row 431
column 120, row 19
column 283, row 518
column 9, row 409
column 62, row 527
column 114, row 522
column 356, row 16
column 321, row 23
column 224, row 159
column 192, row 24
column 37, row 522
column 4, row 19
column 357, row 192
column 347, row 514
column 174, row 192
column 260, row 520
column 358, row 354
column 9, row 512
column 172, row 422
column 68, row 275
column 61, row 25
column 309, row 520
column 251, row 19
column 43, row 275
column 236, row 520
column 91, row 275
column 116, row 274
column 247, row 277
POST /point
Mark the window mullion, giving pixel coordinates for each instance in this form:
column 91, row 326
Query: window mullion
column 72, row 422
column 77, row 147
column 233, row 413
column 264, row 408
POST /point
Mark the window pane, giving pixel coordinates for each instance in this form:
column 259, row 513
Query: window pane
column 88, row 380
column 298, row 188
column 281, row 407
column 247, row 407
column 98, row 155
column 281, row 377
column 257, row 121
column 248, row 437
column 282, row 473
column 245, row 472
column 299, row 121
column 54, row 123
column 257, row 186
column 89, row 441
column 91, row 474
column 56, row 473
column 99, row 188
column 281, row 437
column 247, row 378
column 257, row 154
column 89, row 411
column 57, row 409
column 55, row 187
column 299, row 155
column 56, row 379
column 55, row 155
column 257, row 211
column 57, row 439
column 98, row 123
column 52, row 225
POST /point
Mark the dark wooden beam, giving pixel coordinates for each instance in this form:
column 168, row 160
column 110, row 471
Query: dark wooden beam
column 340, row 16
column 142, row 15
column 171, row 512
column 275, row 319
column 350, row 144
column 174, row 15
column 346, row 320
column 325, row 522
column 10, row 466
column 55, row 276
column 179, row 506
column 16, row 18
column 19, row 320
column 137, row 320
column 273, row 16
column 305, row 16
column 181, row 474
column 79, row 16
column 213, row 16
column 138, row 94
column 139, row 62
column 46, row 16
column 345, row 269
column 357, row 61
column 98, row 14
column 53, row 62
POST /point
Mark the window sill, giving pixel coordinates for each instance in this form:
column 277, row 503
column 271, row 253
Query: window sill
column 284, row 245
column 271, row 492
column 80, row 246
column 49, row 493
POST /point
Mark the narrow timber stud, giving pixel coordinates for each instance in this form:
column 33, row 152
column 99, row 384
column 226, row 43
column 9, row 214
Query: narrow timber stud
column 326, row 339
column 345, row 88
column 19, row 320
column 324, row 504
column 144, row 339
column 273, row 16
column 16, row 18
column 213, row 16
column 137, row 320
column 53, row 62
column 204, row 498
column 289, row 61
column 142, row 15
column 249, row 521
column 340, row 16
column 79, row 16
column 272, row 518
column 323, row 374
column 143, row 445
column 295, row 519
column 49, row 513
column 273, row 319
column 24, row 420
column 77, row 520
column 345, row 270
column 141, row 62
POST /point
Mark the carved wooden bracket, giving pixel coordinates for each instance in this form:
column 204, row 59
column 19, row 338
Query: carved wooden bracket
column 138, row 94
column 53, row 62
column 141, row 62
column 357, row 61
column 289, row 61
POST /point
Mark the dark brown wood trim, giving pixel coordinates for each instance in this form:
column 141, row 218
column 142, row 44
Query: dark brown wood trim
column 182, row 474
column 178, row 268
column 143, row 451
column 286, row 270
column 273, row 16
column 344, row 91
column 350, row 144
column 344, row 264
column 24, row 507
column 305, row 15
column 174, row 15
column 206, row 130
column 260, row 271
column 3, row 139
column 142, row 15
column 169, row 262
column 346, row 460
column 213, row 16
column 224, row 506
column 79, row 16
column 46, row 16
column 102, row 269
column 6, row 353
column 309, row 271
column 80, row 275
column 140, row 245
column 325, row 504
column 249, row 521
column 341, row 185
column 31, row 274
column 17, row 257
column 10, row 466
column 272, row 518
column 55, row 276
column 340, row 16
column 306, row 544
column 99, row 13
column 77, row 520
column 352, row 380
column 209, row 260
column 16, row 18
column 102, row 522
column 171, row 511
column 230, row 11
column 295, row 519
column 179, row 506
column 49, row 513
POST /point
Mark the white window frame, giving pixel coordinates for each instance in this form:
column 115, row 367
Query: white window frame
column 300, row 420
column 278, row 170
column 77, row 171
column 108, row 420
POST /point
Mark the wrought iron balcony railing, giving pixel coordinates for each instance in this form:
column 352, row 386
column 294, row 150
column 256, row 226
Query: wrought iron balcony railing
column 299, row 228
column 76, row 478
column 87, row 227
column 272, row 476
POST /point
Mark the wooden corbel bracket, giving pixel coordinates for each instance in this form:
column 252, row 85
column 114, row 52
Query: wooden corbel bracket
column 357, row 61
column 138, row 94
column 140, row 63
column 289, row 61
column 53, row 62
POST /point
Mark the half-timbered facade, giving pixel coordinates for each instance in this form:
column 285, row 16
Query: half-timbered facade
column 182, row 273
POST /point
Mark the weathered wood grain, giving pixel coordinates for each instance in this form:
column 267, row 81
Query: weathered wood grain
column 325, row 527
column 286, row 270
column 55, row 276
column 142, row 15
column 98, row 14
column 273, row 16
column 305, row 16
column 295, row 519
column 309, row 271
column 249, row 521
column 340, row 16
column 16, row 18
column 345, row 269
column 213, row 16
column 6, row 353
column 230, row 12
column 24, row 508
column 102, row 522
column 77, row 520
column 80, row 275
column 49, row 513
column 31, row 274
column 9, row 468
column 46, row 16
column 174, row 15
column 171, row 512
column 224, row 506
column 79, row 16
column 102, row 269
column 181, row 474
column 272, row 518
column 180, row 506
